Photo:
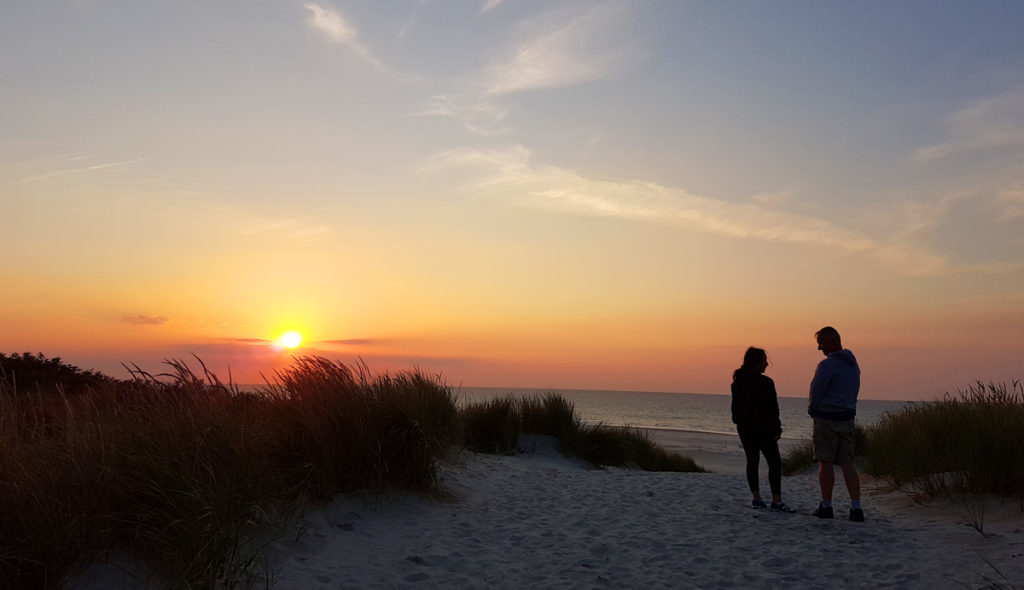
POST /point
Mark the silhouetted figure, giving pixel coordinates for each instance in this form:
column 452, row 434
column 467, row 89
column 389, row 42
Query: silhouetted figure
column 755, row 411
column 833, row 405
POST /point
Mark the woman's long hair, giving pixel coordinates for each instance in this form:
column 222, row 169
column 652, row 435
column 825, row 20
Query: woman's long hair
column 751, row 359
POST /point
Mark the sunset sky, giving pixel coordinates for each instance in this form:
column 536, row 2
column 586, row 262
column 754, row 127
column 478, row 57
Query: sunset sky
column 518, row 193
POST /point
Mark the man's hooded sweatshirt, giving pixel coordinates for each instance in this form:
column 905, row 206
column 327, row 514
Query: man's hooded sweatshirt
column 834, row 387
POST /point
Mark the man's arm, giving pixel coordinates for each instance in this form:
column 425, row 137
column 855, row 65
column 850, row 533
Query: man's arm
column 819, row 385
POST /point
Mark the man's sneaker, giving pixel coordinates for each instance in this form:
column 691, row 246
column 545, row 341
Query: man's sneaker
column 781, row 507
column 758, row 504
column 823, row 512
column 857, row 515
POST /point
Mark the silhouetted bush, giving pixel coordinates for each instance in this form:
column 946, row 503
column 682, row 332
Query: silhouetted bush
column 29, row 373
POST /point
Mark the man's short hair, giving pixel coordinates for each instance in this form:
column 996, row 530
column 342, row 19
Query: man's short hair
column 828, row 333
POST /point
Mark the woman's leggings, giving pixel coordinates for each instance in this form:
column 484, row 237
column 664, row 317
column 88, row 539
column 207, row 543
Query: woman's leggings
column 755, row 443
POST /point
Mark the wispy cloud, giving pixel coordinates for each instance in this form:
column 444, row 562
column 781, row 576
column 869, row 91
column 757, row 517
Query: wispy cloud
column 119, row 166
column 490, row 5
column 583, row 48
column 557, row 50
column 145, row 320
column 983, row 211
column 909, row 217
column 349, row 342
column 510, row 174
column 59, row 160
column 993, row 122
column 333, row 24
column 775, row 198
column 299, row 228
column 1012, row 200
column 479, row 117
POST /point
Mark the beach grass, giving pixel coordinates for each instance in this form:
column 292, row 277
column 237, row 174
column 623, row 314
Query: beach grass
column 969, row 441
column 184, row 476
column 183, row 473
column 550, row 414
column 343, row 429
column 494, row 426
column 962, row 447
column 798, row 458
column 161, row 475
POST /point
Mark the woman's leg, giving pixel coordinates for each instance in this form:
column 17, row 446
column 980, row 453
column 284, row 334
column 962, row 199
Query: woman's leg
column 770, row 448
column 752, row 450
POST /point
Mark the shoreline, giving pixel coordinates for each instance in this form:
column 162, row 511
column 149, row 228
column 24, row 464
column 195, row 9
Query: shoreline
column 699, row 431
column 718, row 452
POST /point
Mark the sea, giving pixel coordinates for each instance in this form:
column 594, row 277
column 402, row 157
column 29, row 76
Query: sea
column 676, row 411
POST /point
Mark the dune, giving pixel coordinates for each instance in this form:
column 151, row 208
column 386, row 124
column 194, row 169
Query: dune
column 538, row 520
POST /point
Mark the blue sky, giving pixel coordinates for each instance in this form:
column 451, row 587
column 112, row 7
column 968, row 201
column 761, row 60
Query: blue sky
column 593, row 194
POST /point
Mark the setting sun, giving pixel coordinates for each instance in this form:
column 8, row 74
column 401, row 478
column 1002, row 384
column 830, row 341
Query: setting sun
column 289, row 339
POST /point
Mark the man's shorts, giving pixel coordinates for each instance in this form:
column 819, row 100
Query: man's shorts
column 833, row 440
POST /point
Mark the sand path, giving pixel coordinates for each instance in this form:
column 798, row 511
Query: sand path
column 541, row 521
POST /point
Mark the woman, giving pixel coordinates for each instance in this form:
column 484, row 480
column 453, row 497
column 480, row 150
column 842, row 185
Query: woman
column 755, row 411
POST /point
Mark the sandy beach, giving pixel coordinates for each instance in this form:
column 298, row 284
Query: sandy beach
column 720, row 453
column 538, row 520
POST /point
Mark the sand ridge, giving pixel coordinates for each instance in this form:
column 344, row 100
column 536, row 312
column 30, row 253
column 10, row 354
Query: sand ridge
column 537, row 520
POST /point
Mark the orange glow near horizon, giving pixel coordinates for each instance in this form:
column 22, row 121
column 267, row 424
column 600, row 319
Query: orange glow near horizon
column 519, row 345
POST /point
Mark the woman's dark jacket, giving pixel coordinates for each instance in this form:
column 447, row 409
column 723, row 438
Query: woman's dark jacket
column 755, row 405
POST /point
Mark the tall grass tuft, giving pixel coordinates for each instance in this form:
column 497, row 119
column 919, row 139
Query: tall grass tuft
column 623, row 446
column 550, row 414
column 342, row 429
column 972, row 441
column 493, row 426
column 184, row 473
column 160, row 472
column 798, row 458
column 651, row 457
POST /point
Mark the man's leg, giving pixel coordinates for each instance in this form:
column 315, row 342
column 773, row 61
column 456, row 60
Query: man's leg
column 825, row 448
column 827, row 479
column 853, row 487
column 852, row 481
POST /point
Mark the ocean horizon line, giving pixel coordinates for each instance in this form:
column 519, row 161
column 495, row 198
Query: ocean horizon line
column 581, row 390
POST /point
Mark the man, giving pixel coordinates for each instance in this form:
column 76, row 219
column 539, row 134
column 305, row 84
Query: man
column 833, row 405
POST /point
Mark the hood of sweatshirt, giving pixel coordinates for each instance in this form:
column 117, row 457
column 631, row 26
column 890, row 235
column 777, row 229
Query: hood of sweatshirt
column 846, row 356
